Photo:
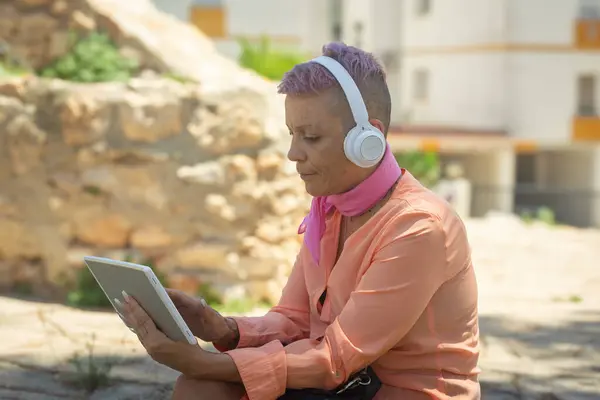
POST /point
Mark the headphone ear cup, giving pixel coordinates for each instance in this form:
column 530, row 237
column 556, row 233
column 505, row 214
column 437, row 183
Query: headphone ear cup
column 349, row 141
column 364, row 147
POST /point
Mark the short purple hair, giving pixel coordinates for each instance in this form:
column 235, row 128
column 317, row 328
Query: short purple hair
column 367, row 72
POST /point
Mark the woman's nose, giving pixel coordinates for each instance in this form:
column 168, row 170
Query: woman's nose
column 296, row 153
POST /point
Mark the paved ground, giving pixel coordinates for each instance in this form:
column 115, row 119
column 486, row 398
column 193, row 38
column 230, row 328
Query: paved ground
column 540, row 325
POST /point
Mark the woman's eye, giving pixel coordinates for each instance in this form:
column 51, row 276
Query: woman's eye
column 311, row 138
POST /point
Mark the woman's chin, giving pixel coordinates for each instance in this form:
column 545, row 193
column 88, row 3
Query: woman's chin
column 314, row 189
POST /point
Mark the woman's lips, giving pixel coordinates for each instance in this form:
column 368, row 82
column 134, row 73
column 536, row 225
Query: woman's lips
column 306, row 176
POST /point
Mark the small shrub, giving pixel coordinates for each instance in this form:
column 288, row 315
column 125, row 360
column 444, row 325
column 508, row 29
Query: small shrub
column 240, row 306
column 266, row 61
column 11, row 65
column 236, row 306
column 425, row 166
column 94, row 58
column 541, row 214
column 88, row 294
column 7, row 70
column 210, row 295
column 546, row 215
column 91, row 372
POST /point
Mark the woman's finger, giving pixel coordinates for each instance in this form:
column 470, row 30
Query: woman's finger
column 141, row 322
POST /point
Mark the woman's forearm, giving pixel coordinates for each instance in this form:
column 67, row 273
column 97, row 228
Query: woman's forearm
column 214, row 367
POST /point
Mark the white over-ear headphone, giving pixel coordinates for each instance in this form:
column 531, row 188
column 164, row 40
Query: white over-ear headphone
column 364, row 145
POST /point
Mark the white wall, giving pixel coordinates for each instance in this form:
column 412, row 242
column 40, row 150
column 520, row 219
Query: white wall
column 387, row 34
column 474, row 83
column 318, row 30
column 465, row 90
column 177, row 8
column 358, row 11
column 272, row 17
column 543, row 93
column 455, row 23
column 304, row 23
column 543, row 21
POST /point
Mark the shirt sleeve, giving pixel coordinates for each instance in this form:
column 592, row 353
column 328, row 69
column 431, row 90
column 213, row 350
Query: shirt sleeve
column 407, row 269
column 287, row 322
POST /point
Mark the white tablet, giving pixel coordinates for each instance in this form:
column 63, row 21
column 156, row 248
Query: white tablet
column 140, row 282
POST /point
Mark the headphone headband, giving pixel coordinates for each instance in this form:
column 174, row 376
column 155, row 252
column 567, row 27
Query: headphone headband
column 355, row 99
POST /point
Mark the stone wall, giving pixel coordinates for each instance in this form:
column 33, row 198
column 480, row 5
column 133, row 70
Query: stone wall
column 190, row 176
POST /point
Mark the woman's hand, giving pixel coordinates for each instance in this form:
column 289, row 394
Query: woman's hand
column 204, row 321
column 182, row 357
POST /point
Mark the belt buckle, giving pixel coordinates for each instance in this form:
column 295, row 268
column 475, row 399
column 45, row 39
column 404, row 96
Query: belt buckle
column 361, row 379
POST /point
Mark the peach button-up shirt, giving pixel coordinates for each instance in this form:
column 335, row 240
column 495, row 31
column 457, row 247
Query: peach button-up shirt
column 402, row 297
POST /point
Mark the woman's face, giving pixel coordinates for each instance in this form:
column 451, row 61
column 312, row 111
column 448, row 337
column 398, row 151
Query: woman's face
column 317, row 145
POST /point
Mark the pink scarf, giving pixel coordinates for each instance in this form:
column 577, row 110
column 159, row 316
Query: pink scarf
column 352, row 203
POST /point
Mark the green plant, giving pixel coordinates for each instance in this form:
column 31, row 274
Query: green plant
column 541, row 214
column 425, row 166
column 546, row 215
column 240, row 306
column 235, row 306
column 94, row 58
column 91, row 372
column 88, row 294
column 9, row 70
column 23, row 288
column 178, row 78
column 211, row 296
column 267, row 61
column 10, row 63
column 574, row 298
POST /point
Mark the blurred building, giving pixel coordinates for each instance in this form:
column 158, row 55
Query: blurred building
column 508, row 89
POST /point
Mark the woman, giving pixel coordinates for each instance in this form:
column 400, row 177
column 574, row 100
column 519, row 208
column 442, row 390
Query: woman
column 382, row 300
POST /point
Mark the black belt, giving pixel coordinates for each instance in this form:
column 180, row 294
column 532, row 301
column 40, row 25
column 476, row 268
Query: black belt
column 363, row 385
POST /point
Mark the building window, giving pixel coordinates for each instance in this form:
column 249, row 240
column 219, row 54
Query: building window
column 586, row 95
column 358, row 34
column 336, row 15
column 423, row 7
column 421, row 85
column 589, row 9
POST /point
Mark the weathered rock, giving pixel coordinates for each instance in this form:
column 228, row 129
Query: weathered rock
column 151, row 237
column 242, row 130
column 12, row 87
column 203, row 255
column 17, row 241
column 9, row 108
column 100, row 228
column 149, row 119
column 188, row 173
column 25, row 144
column 84, row 119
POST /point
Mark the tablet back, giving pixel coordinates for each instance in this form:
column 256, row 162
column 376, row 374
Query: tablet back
column 140, row 282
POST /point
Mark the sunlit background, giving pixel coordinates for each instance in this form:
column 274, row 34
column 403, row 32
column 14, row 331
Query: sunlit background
column 151, row 131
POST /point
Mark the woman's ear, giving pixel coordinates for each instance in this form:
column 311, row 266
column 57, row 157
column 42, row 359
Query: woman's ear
column 377, row 124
